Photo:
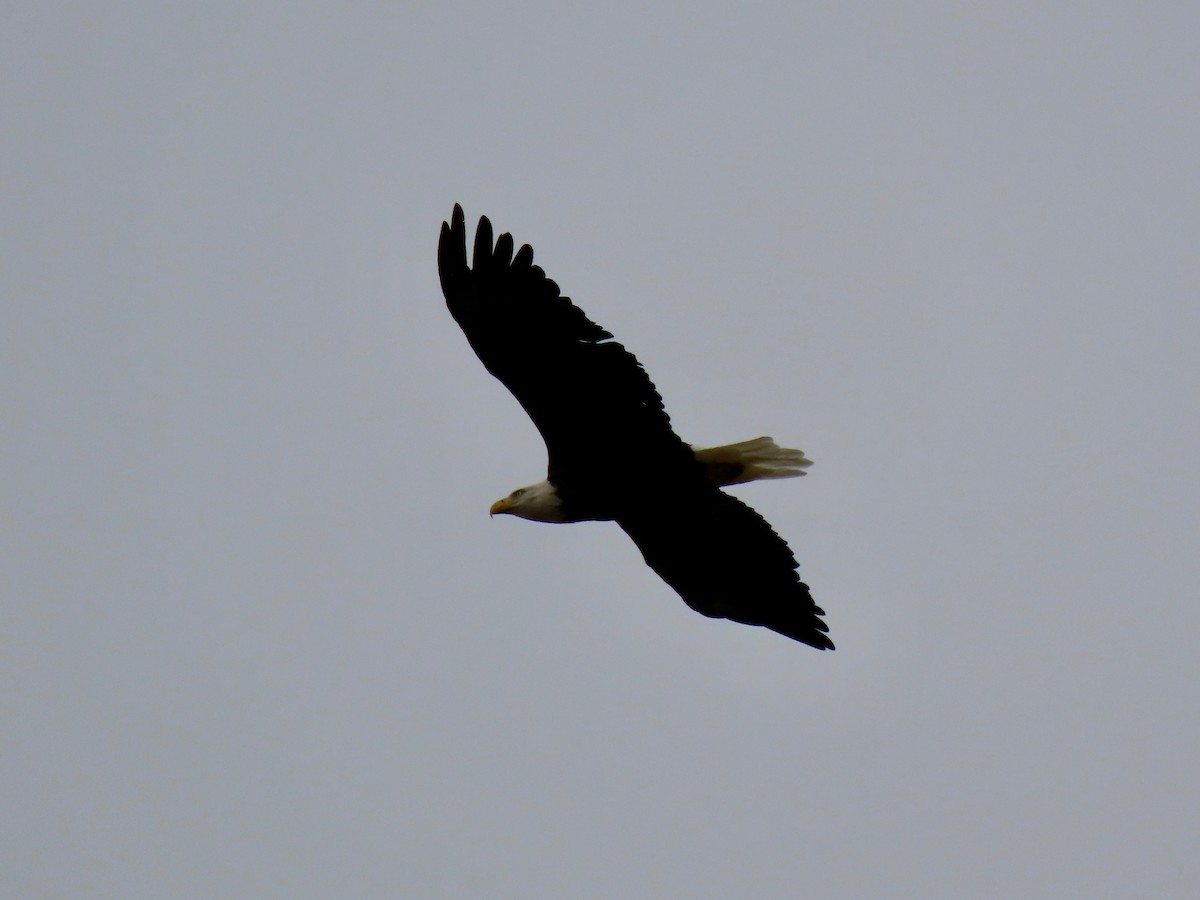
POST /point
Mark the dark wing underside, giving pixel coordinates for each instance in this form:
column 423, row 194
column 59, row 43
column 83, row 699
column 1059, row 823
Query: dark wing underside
column 601, row 418
column 725, row 561
column 610, row 442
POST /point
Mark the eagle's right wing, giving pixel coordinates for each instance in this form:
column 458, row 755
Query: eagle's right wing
column 725, row 561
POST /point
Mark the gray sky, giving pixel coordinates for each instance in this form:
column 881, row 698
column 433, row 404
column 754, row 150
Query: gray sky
column 259, row 635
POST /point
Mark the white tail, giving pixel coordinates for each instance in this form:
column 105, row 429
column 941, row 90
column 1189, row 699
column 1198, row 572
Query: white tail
column 751, row 461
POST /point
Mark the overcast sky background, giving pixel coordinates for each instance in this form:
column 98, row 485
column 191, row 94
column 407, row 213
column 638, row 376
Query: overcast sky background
column 259, row 635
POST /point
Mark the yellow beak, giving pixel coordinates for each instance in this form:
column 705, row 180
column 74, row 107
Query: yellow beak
column 500, row 506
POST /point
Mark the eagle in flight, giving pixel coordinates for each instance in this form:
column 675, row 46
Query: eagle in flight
column 612, row 453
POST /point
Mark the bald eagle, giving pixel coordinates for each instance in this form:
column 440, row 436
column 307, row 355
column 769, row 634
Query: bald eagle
column 612, row 453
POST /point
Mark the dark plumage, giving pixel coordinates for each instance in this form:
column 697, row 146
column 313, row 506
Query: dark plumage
column 612, row 452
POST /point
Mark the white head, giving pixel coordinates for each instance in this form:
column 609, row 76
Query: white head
column 538, row 502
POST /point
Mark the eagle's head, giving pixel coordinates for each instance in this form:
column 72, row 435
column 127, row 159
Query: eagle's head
column 537, row 502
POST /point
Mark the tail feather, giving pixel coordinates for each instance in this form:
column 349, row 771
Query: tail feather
column 751, row 460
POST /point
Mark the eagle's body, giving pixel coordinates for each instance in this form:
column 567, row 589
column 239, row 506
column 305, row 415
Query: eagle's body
column 752, row 460
column 612, row 452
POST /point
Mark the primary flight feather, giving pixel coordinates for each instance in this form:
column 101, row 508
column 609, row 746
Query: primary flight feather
column 612, row 453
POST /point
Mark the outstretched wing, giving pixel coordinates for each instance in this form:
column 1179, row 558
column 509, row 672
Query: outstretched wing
column 598, row 412
column 725, row 561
